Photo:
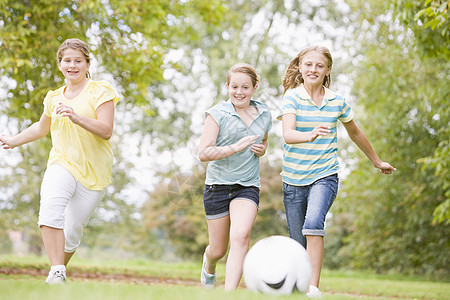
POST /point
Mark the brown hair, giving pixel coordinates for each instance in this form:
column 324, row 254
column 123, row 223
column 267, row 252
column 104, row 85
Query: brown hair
column 292, row 77
column 75, row 44
column 246, row 69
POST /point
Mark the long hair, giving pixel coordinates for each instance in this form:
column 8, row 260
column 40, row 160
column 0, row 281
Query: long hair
column 75, row 44
column 292, row 77
column 246, row 69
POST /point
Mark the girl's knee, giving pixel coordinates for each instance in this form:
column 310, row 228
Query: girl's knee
column 240, row 237
column 216, row 253
column 72, row 234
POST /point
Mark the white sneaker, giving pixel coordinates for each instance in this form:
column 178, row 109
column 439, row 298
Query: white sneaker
column 313, row 292
column 57, row 277
column 207, row 280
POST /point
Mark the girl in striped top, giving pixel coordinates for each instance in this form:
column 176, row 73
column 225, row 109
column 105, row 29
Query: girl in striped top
column 309, row 118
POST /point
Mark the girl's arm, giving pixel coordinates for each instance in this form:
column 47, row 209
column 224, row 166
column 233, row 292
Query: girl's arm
column 32, row 133
column 101, row 127
column 260, row 149
column 292, row 136
column 360, row 139
column 207, row 149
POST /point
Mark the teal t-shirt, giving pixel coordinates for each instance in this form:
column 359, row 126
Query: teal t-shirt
column 242, row 167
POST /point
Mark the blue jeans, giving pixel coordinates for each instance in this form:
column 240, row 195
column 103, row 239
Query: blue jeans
column 307, row 206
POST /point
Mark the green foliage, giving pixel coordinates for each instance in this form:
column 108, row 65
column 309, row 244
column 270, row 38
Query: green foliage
column 404, row 94
column 436, row 14
column 428, row 19
column 5, row 242
column 175, row 208
column 128, row 38
column 21, row 210
column 440, row 163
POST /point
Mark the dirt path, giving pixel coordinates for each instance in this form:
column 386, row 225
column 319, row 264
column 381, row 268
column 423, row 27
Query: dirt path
column 86, row 276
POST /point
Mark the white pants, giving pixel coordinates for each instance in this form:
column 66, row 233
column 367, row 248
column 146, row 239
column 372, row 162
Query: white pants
column 66, row 204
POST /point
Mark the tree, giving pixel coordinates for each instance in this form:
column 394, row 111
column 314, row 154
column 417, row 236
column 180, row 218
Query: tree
column 403, row 91
column 175, row 209
column 429, row 22
column 428, row 19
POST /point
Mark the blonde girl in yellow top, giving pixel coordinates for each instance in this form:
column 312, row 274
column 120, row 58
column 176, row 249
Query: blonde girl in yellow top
column 80, row 117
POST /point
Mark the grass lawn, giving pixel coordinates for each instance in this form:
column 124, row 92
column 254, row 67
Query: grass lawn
column 99, row 280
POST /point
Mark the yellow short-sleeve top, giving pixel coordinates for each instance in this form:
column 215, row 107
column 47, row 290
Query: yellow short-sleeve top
column 87, row 157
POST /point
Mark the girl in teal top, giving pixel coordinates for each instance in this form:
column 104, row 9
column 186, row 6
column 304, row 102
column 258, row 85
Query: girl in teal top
column 234, row 138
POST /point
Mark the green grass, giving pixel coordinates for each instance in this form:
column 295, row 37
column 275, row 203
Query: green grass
column 334, row 284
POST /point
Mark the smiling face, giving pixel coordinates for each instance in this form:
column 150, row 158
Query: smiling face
column 73, row 65
column 240, row 89
column 314, row 68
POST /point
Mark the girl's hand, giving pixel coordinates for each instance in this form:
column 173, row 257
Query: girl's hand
column 67, row 111
column 245, row 142
column 258, row 149
column 385, row 168
column 5, row 140
column 318, row 130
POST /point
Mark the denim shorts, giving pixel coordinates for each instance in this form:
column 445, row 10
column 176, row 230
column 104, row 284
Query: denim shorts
column 217, row 198
column 307, row 206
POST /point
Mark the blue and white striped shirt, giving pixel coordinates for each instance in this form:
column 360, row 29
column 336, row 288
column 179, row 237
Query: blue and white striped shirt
column 305, row 163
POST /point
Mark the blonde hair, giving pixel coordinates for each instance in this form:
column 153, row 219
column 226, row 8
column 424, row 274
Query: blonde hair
column 245, row 69
column 75, row 44
column 292, row 77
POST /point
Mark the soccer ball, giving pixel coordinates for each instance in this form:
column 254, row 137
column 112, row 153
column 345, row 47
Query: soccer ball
column 277, row 265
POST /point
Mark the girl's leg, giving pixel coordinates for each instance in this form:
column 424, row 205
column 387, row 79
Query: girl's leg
column 78, row 213
column 321, row 196
column 53, row 239
column 295, row 203
column 315, row 251
column 67, row 257
column 242, row 216
column 57, row 189
column 218, row 232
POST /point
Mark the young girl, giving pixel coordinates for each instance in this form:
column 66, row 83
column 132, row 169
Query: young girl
column 80, row 117
column 309, row 118
column 234, row 138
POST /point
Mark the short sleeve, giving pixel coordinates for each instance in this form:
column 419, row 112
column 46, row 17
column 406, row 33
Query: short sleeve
column 346, row 113
column 104, row 92
column 48, row 105
column 215, row 114
column 289, row 105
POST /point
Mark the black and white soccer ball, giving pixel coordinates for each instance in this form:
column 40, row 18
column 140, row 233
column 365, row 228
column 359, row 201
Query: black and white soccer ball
column 277, row 265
